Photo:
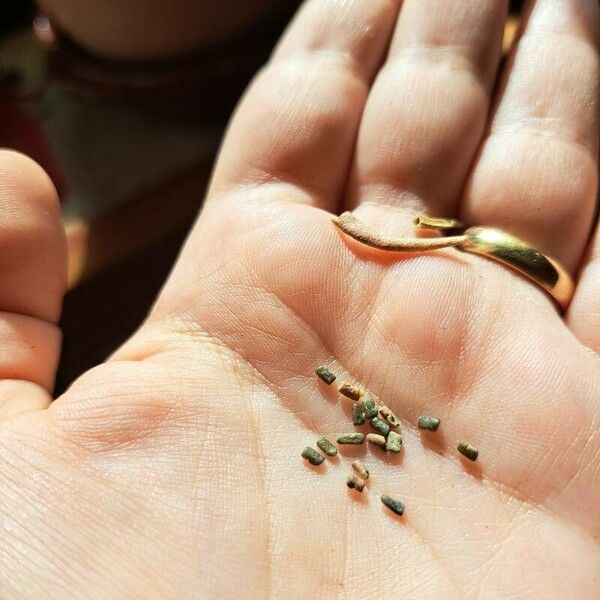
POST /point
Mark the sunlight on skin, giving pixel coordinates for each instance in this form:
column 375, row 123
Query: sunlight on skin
column 174, row 469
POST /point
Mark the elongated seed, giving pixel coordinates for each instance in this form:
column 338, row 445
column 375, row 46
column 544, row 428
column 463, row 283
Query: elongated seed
column 325, row 374
column 394, row 505
column 380, row 426
column 370, row 406
column 358, row 414
column 391, row 419
column 468, row 451
column 351, row 438
column 354, row 392
column 354, row 482
column 428, row 423
column 376, row 439
column 312, row 456
column 326, row 446
column 360, row 468
column 393, row 442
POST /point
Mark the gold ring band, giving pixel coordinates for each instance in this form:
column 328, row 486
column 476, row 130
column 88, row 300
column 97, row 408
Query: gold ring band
column 523, row 258
column 490, row 242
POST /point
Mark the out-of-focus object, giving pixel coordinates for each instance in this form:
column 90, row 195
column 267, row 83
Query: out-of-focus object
column 206, row 80
column 155, row 29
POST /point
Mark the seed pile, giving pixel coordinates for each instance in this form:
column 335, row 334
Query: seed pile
column 368, row 407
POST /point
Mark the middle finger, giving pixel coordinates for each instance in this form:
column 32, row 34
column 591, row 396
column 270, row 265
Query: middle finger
column 426, row 113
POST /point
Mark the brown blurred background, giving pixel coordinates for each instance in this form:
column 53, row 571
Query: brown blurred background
column 124, row 104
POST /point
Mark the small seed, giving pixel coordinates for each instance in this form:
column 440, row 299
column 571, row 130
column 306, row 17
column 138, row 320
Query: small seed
column 389, row 416
column 312, row 456
column 326, row 446
column 351, row 438
column 354, row 392
column 394, row 505
column 360, row 468
column 468, row 451
column 380, row 426
column 325, row 374
column 393, row 442
column 354, row 482
column 375, row 438
column 358, row 414
column 369, row 405
column 428, row 423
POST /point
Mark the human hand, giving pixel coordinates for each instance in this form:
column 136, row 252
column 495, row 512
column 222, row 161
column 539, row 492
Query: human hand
column 173, row 469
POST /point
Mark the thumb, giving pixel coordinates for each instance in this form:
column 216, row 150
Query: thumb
column 33, row 274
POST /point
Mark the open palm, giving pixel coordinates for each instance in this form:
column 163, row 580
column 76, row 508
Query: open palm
column 173, row 470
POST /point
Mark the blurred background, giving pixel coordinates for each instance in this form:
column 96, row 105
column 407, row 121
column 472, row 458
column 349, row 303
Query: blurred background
column 124, row 105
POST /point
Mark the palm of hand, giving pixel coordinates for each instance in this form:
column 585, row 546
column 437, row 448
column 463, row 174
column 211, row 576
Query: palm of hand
column 173, row 470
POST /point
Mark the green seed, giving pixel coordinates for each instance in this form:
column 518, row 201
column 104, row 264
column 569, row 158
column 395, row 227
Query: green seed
column 369, row 406
column 351, row 438
column 394, row 505
column 428, row 423
column 326, row 446
column 376, row 439
column 393, row 442
column 389, row 416
column 380, row 426
column 358, row 414
column 354, row 392
column 360, row 468
column 325, row 374
column 312, row 456
column 354, row 482
column 468, row 451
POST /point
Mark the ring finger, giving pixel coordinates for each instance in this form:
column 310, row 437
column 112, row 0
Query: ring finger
column 537, row 173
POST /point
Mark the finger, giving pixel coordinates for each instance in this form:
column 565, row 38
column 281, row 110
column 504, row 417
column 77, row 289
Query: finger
column 537, row 173
column 426, row 113
column 298, row 120
column 584, row 312
column 33, row 275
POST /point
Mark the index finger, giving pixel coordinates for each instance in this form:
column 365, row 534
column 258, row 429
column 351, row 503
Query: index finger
column 298, row 120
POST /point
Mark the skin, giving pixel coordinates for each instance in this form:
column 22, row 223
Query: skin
column 173, row 470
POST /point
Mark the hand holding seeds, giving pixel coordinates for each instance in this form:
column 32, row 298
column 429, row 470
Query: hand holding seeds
column 384, row 421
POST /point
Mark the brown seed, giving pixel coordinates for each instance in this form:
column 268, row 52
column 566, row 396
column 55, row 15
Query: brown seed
column 312, row 456
column 354, row 392
column 380, row 426
column 351, row 438
column 393, row 442
column 326, row 446
column 468, row 451
column 375, row 438
column 389, row 416
column 360, row 468
column 358, row 414
column 354, row 482
column 325, row 374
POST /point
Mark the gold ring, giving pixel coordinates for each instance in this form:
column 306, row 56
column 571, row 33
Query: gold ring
column 492, row 243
